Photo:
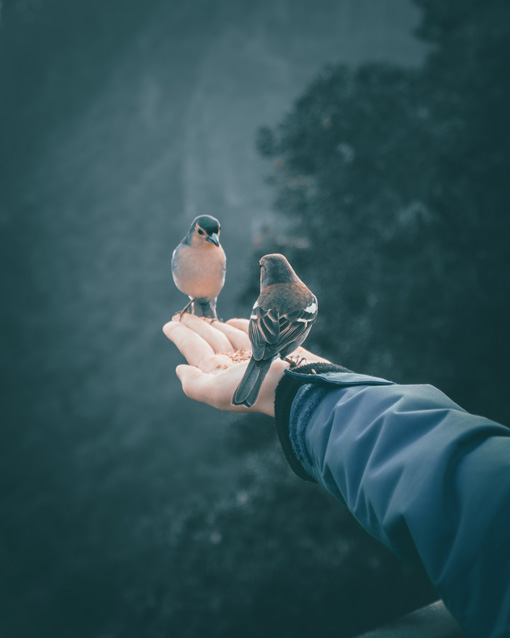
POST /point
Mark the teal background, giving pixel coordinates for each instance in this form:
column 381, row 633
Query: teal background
column 126, row 509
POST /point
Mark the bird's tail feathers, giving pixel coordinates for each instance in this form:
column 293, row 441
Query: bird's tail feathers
column 248, row 390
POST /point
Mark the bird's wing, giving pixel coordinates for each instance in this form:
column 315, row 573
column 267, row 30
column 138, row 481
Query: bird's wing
column 270, row 332
column 264, row 331
column 295, row 325
column 175, row 256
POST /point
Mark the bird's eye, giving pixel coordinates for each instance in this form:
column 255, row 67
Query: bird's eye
column 200, row 231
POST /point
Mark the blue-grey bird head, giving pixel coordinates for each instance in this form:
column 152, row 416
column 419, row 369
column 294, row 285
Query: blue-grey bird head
column 275, row 269
column 206, row 228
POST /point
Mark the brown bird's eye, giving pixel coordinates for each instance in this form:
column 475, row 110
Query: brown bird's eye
column 200, row 231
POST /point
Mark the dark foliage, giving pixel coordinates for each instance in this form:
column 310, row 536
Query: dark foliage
column 399, row 179
column 393, row 184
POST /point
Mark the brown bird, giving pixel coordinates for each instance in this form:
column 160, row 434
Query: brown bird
column 279, row 323
column 199, row 265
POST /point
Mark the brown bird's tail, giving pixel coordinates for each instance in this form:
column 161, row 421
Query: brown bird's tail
column 248, row 390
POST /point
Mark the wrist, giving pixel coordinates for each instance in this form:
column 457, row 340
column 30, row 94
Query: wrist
column 286, row 392
column 266, row 402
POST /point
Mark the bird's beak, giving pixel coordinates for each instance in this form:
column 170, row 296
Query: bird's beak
column 213, row 239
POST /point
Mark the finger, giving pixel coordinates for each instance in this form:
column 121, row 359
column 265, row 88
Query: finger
column 216, row 339
column 240, row 324
column 238, row 338
column 194, row 349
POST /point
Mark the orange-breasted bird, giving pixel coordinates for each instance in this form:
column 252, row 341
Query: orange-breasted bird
column 199, row 265
column 279, row 323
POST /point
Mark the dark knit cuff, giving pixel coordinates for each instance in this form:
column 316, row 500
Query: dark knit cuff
column 285, row 394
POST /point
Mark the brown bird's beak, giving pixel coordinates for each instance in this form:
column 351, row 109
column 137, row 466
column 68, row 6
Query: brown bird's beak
column 213, row 239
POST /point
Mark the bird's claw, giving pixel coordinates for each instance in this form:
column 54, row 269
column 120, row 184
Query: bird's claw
column 185, row 309
column 296, row 361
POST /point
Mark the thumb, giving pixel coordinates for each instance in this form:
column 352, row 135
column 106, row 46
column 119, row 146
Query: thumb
column 187, row 373
column 193, row 381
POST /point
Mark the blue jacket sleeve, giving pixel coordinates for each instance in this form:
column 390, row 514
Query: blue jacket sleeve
column 426, row 478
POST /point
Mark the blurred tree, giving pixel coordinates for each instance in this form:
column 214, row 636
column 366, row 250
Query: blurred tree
column 399, row 179
column 394, row 185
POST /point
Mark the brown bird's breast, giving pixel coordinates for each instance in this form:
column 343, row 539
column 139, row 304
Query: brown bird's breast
column 201, row 273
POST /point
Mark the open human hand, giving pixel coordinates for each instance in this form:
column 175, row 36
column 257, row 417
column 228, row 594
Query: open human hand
column 217, row 354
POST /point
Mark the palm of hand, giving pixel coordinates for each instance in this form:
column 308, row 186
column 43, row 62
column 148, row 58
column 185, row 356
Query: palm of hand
column 217, row 354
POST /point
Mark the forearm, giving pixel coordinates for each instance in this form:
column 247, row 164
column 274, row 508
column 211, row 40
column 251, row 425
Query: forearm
column 429, row 480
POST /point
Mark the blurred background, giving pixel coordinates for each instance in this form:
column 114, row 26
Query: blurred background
column 368, row 140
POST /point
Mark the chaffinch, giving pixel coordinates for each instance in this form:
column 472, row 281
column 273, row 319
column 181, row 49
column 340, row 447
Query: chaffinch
column 279, row 323
column 199, row 265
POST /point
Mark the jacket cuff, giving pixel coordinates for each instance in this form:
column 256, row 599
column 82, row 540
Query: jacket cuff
column 290, row 384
